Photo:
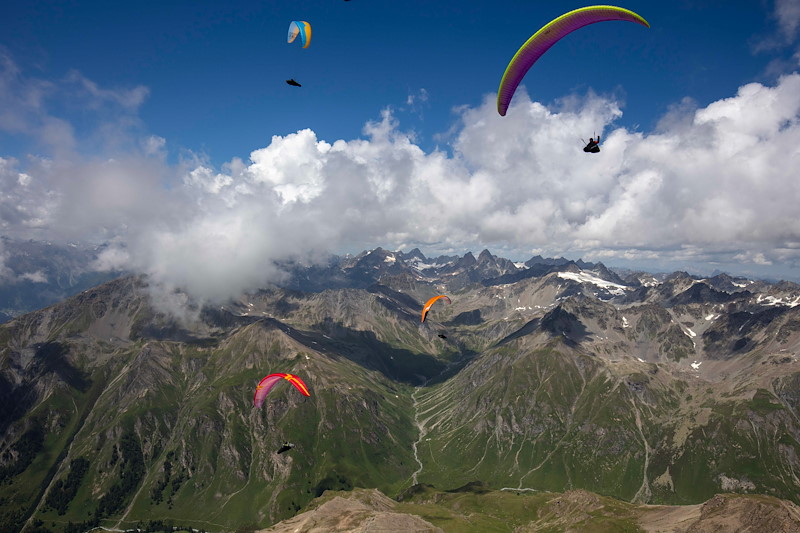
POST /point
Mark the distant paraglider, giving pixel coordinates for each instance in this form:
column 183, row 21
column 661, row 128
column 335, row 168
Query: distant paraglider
column 285, row 447
column 547, row 36
column 301, row 28
column 430, row 302
column 266, row 385
column 592, row 146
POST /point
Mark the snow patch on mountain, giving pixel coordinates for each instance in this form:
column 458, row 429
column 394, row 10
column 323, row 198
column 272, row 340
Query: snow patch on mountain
column 419, row 265
column 772, row 300
column 587, row 277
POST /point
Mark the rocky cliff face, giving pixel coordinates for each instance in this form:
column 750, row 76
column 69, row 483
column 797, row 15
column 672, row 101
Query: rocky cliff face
column 562, row 376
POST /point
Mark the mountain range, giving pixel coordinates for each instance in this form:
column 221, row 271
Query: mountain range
column 542, row 377
column 35, row 274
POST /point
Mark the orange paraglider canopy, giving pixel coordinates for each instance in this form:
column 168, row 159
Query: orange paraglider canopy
column 430, row 302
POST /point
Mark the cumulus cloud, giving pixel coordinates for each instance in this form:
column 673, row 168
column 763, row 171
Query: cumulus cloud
column 715, row 184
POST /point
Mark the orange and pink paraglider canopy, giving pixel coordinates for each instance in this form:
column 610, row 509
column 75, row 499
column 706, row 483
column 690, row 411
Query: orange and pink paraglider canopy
column 266, row 384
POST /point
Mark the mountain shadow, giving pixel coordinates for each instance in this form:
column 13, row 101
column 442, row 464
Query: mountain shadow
column 405, row 301
column 702, row 293
column 558, row 323
column 561, row 322
column 527, row 329
column 734, row 333
column 365, row 349
column 535, row 271
column 467, row 318
column 51, row 357
column 15, row 402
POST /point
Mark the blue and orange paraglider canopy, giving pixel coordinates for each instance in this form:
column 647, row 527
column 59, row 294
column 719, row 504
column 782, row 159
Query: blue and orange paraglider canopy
column 301, row 28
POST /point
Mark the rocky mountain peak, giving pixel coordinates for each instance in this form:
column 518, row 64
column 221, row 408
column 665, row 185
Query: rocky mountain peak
column 486, row 257
column 466, row 261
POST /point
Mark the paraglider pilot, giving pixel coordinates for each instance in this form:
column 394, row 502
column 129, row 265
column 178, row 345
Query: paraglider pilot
column 592, row 146
column 286, row 447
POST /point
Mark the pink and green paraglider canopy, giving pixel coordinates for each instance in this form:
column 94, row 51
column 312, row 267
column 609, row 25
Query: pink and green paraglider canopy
column 552, row 32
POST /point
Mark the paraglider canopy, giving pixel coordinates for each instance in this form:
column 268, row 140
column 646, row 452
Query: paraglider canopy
column 547, row 36
column 301, row 28
column 266, row 384
column 429, row 303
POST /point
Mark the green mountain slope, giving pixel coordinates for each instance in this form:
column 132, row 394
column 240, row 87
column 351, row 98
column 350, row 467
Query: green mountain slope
column 115, row 414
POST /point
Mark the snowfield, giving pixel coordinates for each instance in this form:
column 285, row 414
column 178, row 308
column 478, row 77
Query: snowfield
column 587, row 277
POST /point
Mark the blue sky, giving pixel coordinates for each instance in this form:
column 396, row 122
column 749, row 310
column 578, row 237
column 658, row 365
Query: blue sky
column 167, row 129
column 215, row 71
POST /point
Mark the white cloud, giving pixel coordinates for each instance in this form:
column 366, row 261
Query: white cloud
column 421, row 96
column 26, row 105
column 24, row 200
column 154, row 145
column 6, row 274
column 9, row 277
column 115, row 258
column 292, row 166
column 757, row 258
column 417, row 102
column 36, row 277
column 97, row 96
column 704, row 186
column 787, row 12
column 717, row 183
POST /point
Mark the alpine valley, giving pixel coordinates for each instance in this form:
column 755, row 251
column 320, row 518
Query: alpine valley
column 549, row 396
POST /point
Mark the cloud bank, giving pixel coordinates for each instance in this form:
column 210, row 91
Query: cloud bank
column 714, row 184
